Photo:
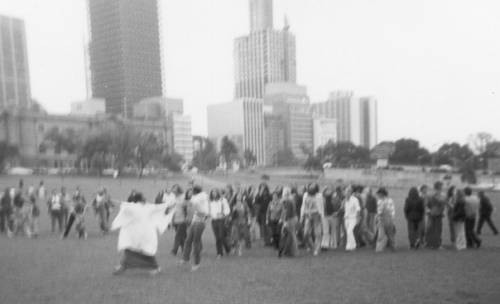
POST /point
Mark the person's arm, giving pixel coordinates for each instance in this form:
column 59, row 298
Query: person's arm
column 225, row 208
column 321, row 205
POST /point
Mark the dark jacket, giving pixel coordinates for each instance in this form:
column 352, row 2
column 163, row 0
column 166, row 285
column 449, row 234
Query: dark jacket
column 262, row 203
column 436, row 205
column 459, row 211
column 371, row 204
column 485, row 207
column 414, row 209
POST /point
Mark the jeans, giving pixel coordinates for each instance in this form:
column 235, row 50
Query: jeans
column 331, row 231
column 386, row 235
column 103, row 219
column 472, row 240
column 487, row 219
column 415, row 228
column 220, row 234
column 193, row 242
column 313, row 229
column 180, row 237
column 275, row 231
column 56, row 217
column 434, row 232
column 460, row 240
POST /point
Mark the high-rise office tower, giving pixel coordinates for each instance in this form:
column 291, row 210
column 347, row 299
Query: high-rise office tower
column 368, row 122
column 125, row 52
column 265, row 55
column 14, row 72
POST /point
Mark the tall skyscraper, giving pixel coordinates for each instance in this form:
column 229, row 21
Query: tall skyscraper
column 261, row 15
column 265, row 55
column 356, row 118
column 125, row 52
column 15, row 88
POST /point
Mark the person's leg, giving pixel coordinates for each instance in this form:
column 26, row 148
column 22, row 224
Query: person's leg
column 381, row 238
column 439, row 231
column 475, row 239
column 71, row 220
column 53, row 219
column 325, row 240
column 318, row 227
column 468, row 234
column 186, row 252
column 2, row 221
column 460, row 242
column 218, row 236
column 452, row 229
column 492, row 225
column 480, row 224
column 308, row 233
column 334, row 234
column 198, row 245
column 183, row 233
column 390, row 231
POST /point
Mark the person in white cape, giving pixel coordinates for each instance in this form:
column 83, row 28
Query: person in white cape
column 140, row 225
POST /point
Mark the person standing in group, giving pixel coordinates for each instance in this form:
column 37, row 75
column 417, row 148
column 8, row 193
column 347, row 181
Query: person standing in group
column 41, row 192
column 414, row 210
column 359, row 230
column 386, row 230
column 458, row 218
column 55, row 211
column 371, row 210
column 99, row 205
column 298, row 196
column 201, row 212
column 6, row 219
column 180, row 217
column 253, row 227
column 471, row 212
column 240, row 215
column 311, row 214
column 485, row 212
column 77, row 210
column 288, row 238
column 351, row 218
column 22, row 214
column 66, row 206
column 219, row 213
column 436, row 205
column 423, row 192
column 262, row 200
column 450, row 205
column 332, row 204
column 34, row 211
column 273, row 219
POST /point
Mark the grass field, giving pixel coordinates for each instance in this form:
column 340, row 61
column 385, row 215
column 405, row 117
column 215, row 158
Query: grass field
column 49, row 270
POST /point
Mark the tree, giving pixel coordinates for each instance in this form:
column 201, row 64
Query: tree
column 285, row 158
column 249, row 157
column 343, row 154
column 148, row 148
column 173, row 161
column 96, row 149
column 66, row 140
column 228, row 150
column 480, row 143
column 7, row 152
column 205, row 159
column 452, row 154
column 408, row 151
column 312, row 162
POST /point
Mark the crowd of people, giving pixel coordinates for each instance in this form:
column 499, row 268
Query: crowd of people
column 20, row 210
column 286, row 218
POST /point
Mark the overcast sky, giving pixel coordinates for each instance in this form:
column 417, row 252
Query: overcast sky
column 433, row 65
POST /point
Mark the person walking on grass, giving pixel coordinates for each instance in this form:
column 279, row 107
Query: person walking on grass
column 471, row 212
column 99, row 204
column 289, row 220
column 311, row 215
column 273, row 219
column 55, row 211
column 450, row 205
column 21, row 214
column 386, row 230
column 240, row 215
column 485, row 212
column 34, row 211
column 140, row 224
column 332, row 205
column 219, row 213
column 201, row 213
column 77, row 214
column 179, row 220
column 414, row 211
column 6, row 212
column 352, row 209
column 436, row 205
column 459, row 217
column 262, row 200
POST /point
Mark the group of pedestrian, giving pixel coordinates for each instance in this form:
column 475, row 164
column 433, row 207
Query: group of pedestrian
column 20, row 210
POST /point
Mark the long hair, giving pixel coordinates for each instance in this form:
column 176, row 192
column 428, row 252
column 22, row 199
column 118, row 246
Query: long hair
column 413, row 194
column 214, row 195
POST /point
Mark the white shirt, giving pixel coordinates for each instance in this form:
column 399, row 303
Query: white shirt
column 352, row 208
column 219, row 209
column 200, row 206
column 169, row 199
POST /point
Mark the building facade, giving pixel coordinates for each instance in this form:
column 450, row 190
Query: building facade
column 368, row 122
column 125, row 52
column 181, row 139
column 89, row 107
column 265, row 55
column 324, row 130
column 242, row 121
column 15, row 90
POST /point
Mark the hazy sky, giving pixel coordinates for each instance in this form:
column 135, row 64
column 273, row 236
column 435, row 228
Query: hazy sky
column 433, row 65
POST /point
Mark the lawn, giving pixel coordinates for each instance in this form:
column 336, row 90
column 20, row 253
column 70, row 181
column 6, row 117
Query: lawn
column 49, row 270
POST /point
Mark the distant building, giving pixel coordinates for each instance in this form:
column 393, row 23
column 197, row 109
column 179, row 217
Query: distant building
column 125, row 52
column 324, row 131
column 357, row 118
column 150, row 109
column 265, row 55
column 91, row 107
column 242, row 121
column 274, row 133
column 181, row 138
column 15, row 91
column 291, row 103
column 174, row 105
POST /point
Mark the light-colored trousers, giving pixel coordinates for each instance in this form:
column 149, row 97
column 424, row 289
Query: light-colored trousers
column 350, row 223
column 313, row 227
column 386, row 235
column 460, row 240
column 331, row 232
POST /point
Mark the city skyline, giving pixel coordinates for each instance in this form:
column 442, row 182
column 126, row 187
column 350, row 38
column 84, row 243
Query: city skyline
column 433, row 67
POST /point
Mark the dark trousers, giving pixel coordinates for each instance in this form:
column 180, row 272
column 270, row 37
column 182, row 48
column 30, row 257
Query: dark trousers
column 180, row 237
column 470, row 235
column 487, row 219
column 275, row 231
column 264, row 230
column 220, row 233
column 6, row 222
column 71, row 220
column 193, row 242
column 56, row 217
column 434, row 232
column 414, row 233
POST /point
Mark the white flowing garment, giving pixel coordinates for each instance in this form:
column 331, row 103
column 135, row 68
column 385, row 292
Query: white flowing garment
column 140, row 225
